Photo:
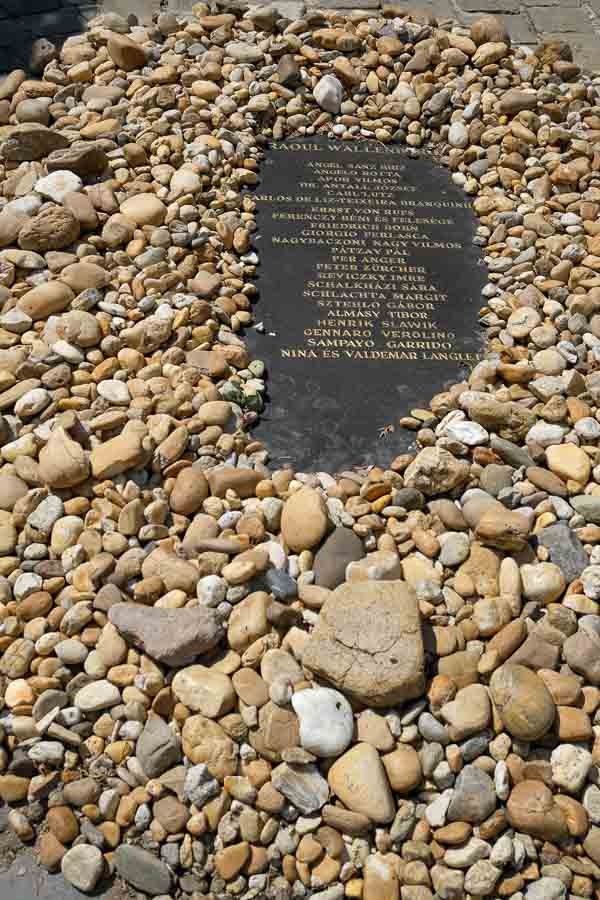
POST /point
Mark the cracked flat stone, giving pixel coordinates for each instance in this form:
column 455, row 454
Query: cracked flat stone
column 368, row 643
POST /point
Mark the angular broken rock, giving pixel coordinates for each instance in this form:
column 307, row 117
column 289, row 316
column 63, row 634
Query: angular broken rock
column 174, row 637
column 436, row 471
column 565, row 548
column 30, row 141
column 157, row 748
column 368, row 643
column 302, row 785
column 126, row 451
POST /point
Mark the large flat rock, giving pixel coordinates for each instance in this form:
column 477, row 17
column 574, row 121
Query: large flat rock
column 368, row 643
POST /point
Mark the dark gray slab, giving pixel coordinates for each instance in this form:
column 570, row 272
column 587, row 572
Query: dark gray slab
column 369, row 291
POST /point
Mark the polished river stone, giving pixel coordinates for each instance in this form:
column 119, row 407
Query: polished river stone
column 369, row 288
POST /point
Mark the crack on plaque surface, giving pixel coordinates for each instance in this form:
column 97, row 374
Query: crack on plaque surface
column 332, row 249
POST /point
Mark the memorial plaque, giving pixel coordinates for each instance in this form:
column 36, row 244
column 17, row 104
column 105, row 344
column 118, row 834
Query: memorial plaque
column 369, row 288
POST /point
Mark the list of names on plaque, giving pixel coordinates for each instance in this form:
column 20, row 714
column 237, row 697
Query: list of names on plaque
column 369, row 288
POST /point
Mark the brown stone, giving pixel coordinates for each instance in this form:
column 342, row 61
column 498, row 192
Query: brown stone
column 171, row 813
column 189, row 491
column 46, row 300
column 126, row 451
column 63, row 462
column 403, row 768
column 304, row 520
column 279, row 729
column 248, row 621
column 523, row 701
column 50, row 852
column 53, row 228
column 242, row 481
column 250, row 687
column 125, row 53
column 204, row 690
column 436, row 471
column 531, row 809
column 81, row 207
column 380, row 879
column 359, row 779
column 230, row 861
column 205, row 741
column 573, row 724
column 13, row 788
column 85, row 159
column 503, row 529
column 144, row 209
column 350, row 646
column 31, row 141
column 63, row 824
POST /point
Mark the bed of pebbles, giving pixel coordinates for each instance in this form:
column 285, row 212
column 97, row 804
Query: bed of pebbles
column 220, row 680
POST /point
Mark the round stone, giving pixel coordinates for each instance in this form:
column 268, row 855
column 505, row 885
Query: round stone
column 523, row 701
column 97, row 695
column 326, row 720
column 82, row 866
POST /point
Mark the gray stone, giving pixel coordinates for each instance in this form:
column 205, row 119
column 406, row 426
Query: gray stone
column 48, row 753
column 278, row 583
column 455, row 547
column 331, row 893
column 570, row 766
column 46, row 514
column 566, row 550
column 142, row 869
column 546, row 889
column 288, row 70
column 490, row 6
column 83, row 159
column 243, row 53
column 495, row 477
column 560, row 20
column 79, row 793
column 82, row 866
column 157, row 748
column 342, row 546
column 328, row 93
column 474, row 797
column 174, row 637
column 432, row 729
column 587, row 506
column 47, row 702
column 199, row 786
column 582, row 650
column 481, row 878
column 97, row 695
column 303, row 786
column 511, row 453
column 42, row 52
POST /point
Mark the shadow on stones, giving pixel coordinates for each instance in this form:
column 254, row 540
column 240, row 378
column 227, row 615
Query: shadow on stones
column 23, row 22
column 21, row 878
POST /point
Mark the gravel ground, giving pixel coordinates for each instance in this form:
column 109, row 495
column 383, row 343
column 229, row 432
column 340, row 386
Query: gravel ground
column 22, row 879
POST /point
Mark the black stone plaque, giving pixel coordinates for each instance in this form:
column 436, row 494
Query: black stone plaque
column 369, row 287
